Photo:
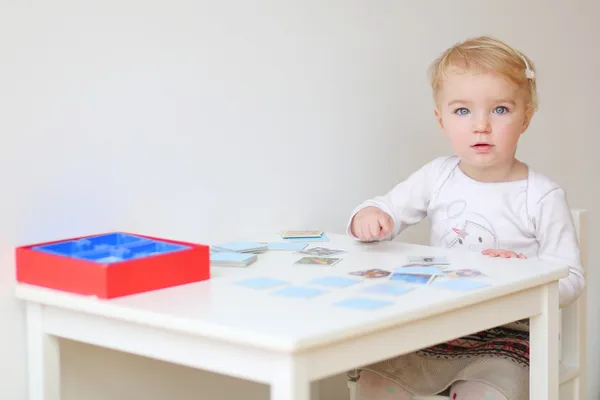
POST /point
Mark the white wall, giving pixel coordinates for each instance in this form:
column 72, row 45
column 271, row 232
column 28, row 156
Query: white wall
column 208, row 121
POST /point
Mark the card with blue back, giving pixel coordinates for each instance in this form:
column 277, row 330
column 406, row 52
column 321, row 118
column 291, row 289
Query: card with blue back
column 334, row 281
column 260, row 283
column 387, row 289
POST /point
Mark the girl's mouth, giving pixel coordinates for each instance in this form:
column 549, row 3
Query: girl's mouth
column 482, row 147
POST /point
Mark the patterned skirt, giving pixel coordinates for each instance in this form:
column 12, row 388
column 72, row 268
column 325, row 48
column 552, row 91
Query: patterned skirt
column 498, row 357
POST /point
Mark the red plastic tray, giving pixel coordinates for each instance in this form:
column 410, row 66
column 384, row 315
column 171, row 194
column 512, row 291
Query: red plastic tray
column 89, row 265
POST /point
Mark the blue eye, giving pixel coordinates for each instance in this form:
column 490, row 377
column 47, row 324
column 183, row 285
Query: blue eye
column 501, row 110
column 461, row 111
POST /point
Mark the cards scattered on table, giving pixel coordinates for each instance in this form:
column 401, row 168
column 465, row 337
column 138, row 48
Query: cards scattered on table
column 461, row 285
column 302, row 233
column 261, row 283
column 420, row 279
column 299, row 292
column 371, row 273
column 321, row 252
column 231, row 259
column 429, row 270
column 393, row 289
column 329, row 261
column 362, row 303
column 334, row 281
column 241, row 247
column 283, row 246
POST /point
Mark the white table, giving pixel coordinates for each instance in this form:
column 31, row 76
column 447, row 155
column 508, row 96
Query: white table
column 288, row 343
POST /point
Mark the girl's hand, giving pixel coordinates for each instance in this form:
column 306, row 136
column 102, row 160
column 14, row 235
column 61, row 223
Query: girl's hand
column 371, row 224
column 502, row 253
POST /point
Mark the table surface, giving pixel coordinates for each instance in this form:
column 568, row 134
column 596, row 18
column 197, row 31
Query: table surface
column 223, row 310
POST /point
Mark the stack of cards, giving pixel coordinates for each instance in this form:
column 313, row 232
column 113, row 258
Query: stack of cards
column 231, row 259
column 294, row 234
column 305, row 235
column 241, row 247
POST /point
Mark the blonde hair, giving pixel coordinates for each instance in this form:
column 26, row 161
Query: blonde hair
column 485, row 54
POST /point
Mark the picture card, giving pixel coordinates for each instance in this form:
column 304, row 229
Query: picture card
column 461, row 285
column 334, row 281
column 361, row 303
column 302, row 233
column 299, row 292
column 393, row 289
column 283, row 246
column 420, row 279
column 260, row 282
column 321, row 251
column 430, row 270
column 329, row 261
column 371, row 273
column 468, row 272
column 462, row 273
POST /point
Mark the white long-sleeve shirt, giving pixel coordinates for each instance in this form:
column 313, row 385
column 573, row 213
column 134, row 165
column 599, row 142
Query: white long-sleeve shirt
column 529, row 216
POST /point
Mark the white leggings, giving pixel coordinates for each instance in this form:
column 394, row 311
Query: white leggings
column 371, row 386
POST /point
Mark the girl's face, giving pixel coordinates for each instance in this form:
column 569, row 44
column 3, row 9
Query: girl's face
column 483, row 115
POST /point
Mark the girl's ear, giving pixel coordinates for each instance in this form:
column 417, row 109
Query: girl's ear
column 529, row 111
column 438, row 117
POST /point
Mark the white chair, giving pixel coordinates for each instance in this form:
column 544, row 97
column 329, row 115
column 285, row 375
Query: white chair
column 572, row 335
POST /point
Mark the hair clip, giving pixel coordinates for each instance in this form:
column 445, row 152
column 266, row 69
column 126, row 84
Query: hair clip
column 529, row 73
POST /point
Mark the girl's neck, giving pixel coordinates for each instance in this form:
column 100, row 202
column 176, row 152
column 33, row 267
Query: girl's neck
column 514, row 170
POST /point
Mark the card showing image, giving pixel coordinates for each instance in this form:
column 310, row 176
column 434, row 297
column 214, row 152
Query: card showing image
column 318, row 261
column 371, row 273
column 321, row 252
column 419, row 279
column 417, row 269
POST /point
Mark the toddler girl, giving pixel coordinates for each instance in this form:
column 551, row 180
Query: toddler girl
column 481, row 199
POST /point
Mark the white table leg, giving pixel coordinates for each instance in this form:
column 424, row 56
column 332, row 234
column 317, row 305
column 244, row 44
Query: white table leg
column 43, row 357
column 543, row 374
column 291, row 381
